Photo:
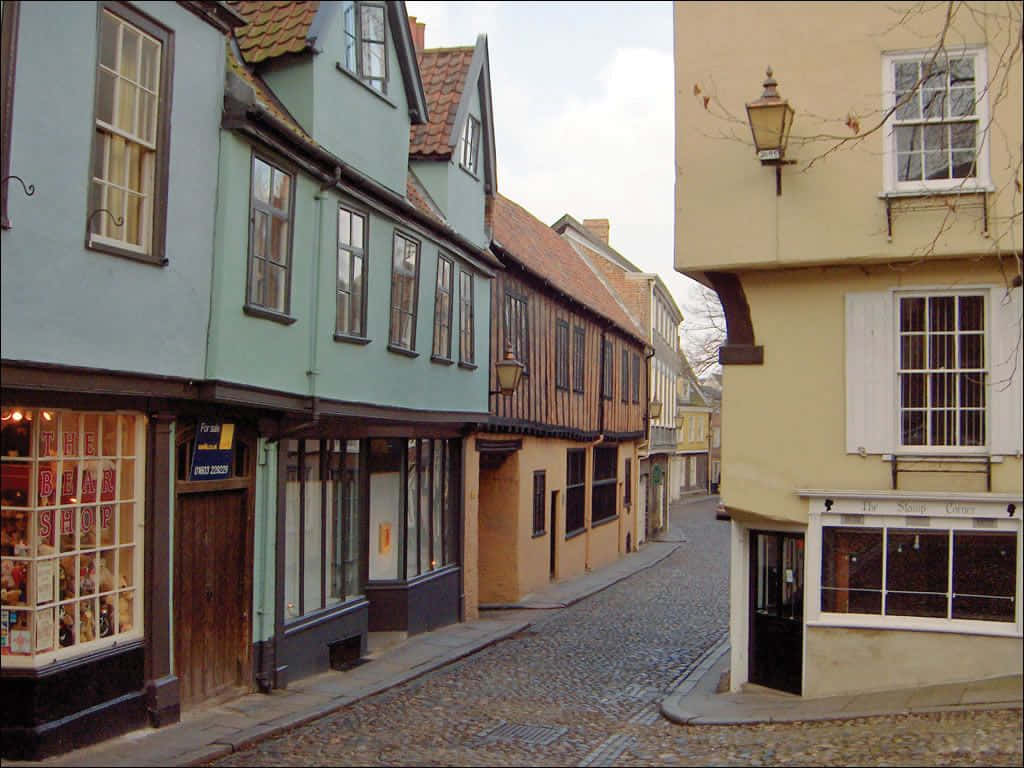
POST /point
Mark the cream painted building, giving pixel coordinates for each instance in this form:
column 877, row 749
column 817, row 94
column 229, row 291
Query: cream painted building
column 872, row 371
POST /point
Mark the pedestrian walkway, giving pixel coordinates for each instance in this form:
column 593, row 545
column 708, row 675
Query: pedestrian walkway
column 696, row 702
column 213, row 732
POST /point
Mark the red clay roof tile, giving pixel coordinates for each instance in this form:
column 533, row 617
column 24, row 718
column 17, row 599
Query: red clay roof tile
column 443, row 72
column 274, row 29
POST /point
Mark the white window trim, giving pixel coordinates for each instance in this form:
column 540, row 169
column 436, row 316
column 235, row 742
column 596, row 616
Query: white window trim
column 982, row 182
column 881, row 517
column 947, row 450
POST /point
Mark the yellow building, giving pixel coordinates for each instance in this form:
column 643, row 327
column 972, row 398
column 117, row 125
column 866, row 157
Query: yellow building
column 872, row 371
column 693, row 432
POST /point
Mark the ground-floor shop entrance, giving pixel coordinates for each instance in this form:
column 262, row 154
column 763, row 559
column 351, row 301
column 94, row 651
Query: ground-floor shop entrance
column 777, row 610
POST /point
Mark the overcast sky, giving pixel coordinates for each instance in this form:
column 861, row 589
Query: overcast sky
column 583, row 110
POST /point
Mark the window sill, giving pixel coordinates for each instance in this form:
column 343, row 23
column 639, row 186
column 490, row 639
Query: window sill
column 468, row 366
column 356, row 79
column 468, row 172
column 267, row 314
column 957, row 189
column 912, row 624
column 603, row 521
column 402, row 351
column 441, row 360
column 126, row 253
column 574, row 534
column 539, row 534
column 348, row 339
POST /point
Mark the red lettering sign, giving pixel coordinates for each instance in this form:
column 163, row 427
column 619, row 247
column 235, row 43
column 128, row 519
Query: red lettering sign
column 88, row 485
column 106, row 516
column 88, row 519
column 90, row 443
column 107, row 490
column 49, row 442
column 67, row 522
column 46, row 486
column 67, row 486
column 46, row 525
column 70, row 443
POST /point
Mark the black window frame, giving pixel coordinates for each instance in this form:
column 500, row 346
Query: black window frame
column 627, row 479
column 575, row 491
column 604, row 484
column 636, row 378
column 357, row 39
column 9, row 57
column 467, row 324
column 354, row 252
column 607, row 369
column 516, row 327
column 579, row 358
column 469, row 146
column 156, row 253
column 624, row 374
column 393, row 344
column 539, row 502
column 442, row 348
column 561, row 354
column 261, row 309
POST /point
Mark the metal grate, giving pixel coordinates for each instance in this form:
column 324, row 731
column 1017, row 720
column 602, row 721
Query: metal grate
column 524, row 734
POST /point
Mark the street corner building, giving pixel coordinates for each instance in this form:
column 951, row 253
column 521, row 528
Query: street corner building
column 866, row 248
column 234, row 429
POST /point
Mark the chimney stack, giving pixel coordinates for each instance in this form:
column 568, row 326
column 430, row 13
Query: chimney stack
column 598, row 228
column 418, row 30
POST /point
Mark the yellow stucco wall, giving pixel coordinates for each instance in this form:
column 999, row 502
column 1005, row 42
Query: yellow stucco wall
column 800, row 390
column 499, row 498
column 470, row 537
column 827, row 58
column 840, row 660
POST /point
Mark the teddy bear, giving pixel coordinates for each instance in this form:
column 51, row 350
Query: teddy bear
column 12, row 582
column 124, row 612
column 87, row 583
column 106, row 617
column 87, row 629
column 67, row 628
column 106, row 577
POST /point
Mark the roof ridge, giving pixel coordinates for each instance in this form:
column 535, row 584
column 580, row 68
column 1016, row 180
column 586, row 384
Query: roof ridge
column 444, row 49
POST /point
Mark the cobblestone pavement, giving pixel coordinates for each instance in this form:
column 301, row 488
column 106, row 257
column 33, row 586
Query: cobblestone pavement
column 582, row 687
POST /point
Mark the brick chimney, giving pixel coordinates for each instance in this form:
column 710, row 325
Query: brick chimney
column 418, row 29
column 598, row 228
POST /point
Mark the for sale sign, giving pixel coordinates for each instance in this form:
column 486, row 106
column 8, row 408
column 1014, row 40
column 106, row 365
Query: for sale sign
column 214, row 452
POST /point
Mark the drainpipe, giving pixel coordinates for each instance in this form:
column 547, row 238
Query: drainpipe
column 314, row 282
column 265, row 667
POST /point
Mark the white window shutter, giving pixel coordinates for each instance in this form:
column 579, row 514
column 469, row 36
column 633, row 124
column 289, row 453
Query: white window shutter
column 1007, row 366
column 870, row 376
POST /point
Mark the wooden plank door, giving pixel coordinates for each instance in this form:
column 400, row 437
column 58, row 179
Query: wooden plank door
column 210, row 605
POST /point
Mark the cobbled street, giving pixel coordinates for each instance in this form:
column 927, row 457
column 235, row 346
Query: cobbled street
column 583, row 684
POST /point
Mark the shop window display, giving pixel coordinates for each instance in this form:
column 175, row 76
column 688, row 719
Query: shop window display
column 70, row 532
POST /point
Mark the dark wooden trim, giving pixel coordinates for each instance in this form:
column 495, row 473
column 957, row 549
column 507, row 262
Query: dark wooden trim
column 739, row 325
column 65, row 665
column 9, row 53
column 351, row 339
column 441, row 360
column 323, row 615
column 126, row 253
column 263, row 313
column 20, row 374
column 498, row 446
column 741, row 354
column 575, row 533
column 364, row 254
column 468, row 366
column 157, row 252
column 411, row 349
column 402, row 351
column 280, row 678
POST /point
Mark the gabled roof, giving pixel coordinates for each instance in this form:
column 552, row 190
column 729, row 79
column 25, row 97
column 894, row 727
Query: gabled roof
column 533, row 245
column 449, row 75
column 276, row 28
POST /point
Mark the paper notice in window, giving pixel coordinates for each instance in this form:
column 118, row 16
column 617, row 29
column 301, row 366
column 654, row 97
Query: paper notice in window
column 44, row 630
column 44, row 581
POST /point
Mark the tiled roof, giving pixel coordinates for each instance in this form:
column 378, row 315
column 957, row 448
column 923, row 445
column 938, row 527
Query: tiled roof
column 265, row 96
column 443, row 72
column 274, row 28
column 542, row 251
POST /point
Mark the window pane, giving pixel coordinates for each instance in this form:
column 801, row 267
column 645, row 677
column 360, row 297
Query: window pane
column 912, row 314
column 343, row 313
column 105, row 98
column 908, row 138
column 438, row 501
column 276, row 278
column 972, row 350
column 940, row 351
column 292, row 533
column 452, row 500
column 356, row 319
column 917, row 572
column 261, row 222
column 984, row 575
column 912, row 389
column 851, row 570
column 256, row 281
column 908, row 167
column 943, row 386
column 150, row 73
column 912, row 352
column 936, row 165
column 971, row 313
column 129, row 53
column 124, row 119
column 357, row 230
column 961, row 135
column 373, row 60
column 280, row 191
column 972, row 427
column 260, row 180
column 963, row 165
column 313, row 525
column 426, row 504
column 108, row 41
column 411, row 517
column 344, row 227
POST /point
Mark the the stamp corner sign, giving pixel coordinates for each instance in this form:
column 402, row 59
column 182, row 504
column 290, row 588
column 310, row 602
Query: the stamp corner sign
column 214, row 451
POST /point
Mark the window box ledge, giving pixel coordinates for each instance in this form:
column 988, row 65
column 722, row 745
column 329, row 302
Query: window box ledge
column 349, row 339
column 441, row 360
column 402, row 351
column 355, row 78
column 574, row 534
column 960, row 189
column 267, row 314
column 603, row 521
column 468, row 366
column 539, row 534
column 102, row 246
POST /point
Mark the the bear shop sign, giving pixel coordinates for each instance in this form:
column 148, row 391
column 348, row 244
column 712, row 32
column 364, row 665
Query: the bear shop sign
column 214, row 452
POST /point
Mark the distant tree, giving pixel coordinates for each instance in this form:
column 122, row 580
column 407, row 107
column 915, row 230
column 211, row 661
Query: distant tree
column 702, row 331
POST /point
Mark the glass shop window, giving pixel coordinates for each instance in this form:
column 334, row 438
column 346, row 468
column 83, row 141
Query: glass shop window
column 323, row 547
column 71, row 485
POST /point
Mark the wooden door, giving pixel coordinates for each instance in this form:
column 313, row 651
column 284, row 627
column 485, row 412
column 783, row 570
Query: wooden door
column 211, row 621
column 777, row 610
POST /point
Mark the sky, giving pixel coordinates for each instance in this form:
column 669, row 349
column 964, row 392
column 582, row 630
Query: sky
column 583, row 111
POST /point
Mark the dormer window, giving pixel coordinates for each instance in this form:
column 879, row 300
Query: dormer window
column 469, row 152
column 366, row 43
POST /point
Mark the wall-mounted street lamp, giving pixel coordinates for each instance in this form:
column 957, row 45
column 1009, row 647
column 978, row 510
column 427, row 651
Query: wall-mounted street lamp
column 679, row 419
column 654, row 409
column 510, row 372
column 770, row 119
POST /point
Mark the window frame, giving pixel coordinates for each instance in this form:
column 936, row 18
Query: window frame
column 358, row 41
column 579, row 359
column 874, row 520
column 466, row 330
column 575, row 492
column 627, row 491
column 604, row 487
column 561, row 355
column 469, row 147
column 354, row 251
column 986, row 350
column 539, row 503
column 636, row 378
column 156, row 251
column 516, row 305
column 437, row 353
column 981, row 181
column 607, row 369
column 393, row 345
column 624, row 375
column 250, row 307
